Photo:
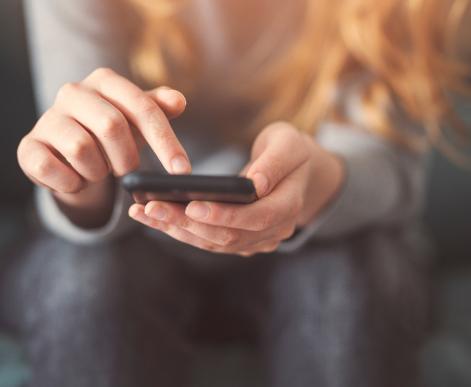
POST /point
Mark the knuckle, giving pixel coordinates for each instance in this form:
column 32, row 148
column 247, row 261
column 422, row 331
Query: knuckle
column 42, row 167
column 102, row 73
column 78, row 148
column 67, row 90
column 100, row 171
column 229, row 238
column 71, row 188
column 99, row 175
column 50, row 115
column 131, row 163
column 207, row 246
column 145, row 106
column 162, row 226
column 110, row 124
column 267, row 220
column 185, row 222
column 229, row 217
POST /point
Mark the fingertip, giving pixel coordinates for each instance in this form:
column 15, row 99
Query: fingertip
column 181, row 166
column 133, row 210
column 261, row 184
column 198, row 210
column 182, row 96
column 156, row 210
column 170, row 96
column 71, row 187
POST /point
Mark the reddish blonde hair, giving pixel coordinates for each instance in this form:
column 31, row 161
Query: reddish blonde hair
column 407, row 46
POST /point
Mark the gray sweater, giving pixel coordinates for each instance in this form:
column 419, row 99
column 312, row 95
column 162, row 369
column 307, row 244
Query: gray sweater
column 69, row 39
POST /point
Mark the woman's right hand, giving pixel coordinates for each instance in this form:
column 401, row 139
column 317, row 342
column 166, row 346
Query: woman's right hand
column 96, row 127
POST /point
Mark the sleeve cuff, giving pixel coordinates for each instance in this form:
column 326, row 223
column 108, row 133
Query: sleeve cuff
column 335, row 220
column 56, row 222
column 374, row 190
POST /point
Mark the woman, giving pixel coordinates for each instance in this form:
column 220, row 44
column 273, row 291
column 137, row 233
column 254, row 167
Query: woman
column 330, row 100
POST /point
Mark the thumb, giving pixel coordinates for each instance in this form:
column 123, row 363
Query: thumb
column 278, row 151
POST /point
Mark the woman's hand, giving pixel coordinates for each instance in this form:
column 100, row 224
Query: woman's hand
column 294, row 178
column 96, row 127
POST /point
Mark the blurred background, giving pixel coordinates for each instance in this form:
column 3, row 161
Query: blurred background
column 447, row 356
column 17, row 115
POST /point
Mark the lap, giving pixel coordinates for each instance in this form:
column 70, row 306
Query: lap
column 346, row 314
column 318, row 279
column 49, row 275
column 317, row 308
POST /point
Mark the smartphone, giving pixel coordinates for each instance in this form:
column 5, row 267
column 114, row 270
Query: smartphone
column 147, row 186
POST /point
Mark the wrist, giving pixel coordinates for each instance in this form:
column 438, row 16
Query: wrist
column 92, row 206
column 325, row 179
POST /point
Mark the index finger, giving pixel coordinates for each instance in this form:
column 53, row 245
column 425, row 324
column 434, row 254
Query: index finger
column 145, row 114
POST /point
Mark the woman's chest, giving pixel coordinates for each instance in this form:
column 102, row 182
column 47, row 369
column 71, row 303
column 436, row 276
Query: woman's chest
column 236, row 40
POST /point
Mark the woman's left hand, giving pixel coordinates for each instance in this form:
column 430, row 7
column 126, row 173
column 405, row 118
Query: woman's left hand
column 294, row 178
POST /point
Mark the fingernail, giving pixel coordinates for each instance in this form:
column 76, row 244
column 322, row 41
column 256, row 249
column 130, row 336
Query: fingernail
column 260, row 182
column 157, row 212
column 197, row 210
column 140, row 216
column 184, row 99
column 168, row 94
column 180, row 165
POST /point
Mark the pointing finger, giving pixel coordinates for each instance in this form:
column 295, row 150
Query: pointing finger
column 144, row 113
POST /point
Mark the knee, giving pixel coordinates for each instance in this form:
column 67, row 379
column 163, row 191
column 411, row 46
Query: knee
column 317, row 285
column 74, row 284
column 62, row 279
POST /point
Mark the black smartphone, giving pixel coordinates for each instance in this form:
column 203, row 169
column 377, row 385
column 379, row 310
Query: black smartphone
column 147, row 186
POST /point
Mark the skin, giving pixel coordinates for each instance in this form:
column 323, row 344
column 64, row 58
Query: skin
column 95, row 128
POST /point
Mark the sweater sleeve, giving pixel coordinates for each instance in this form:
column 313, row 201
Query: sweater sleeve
column 383, row 186
column 384, row 183
column 56, row 222
column 461, row 50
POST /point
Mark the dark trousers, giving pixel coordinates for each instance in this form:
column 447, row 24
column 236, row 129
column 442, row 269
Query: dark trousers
column 127, row 314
